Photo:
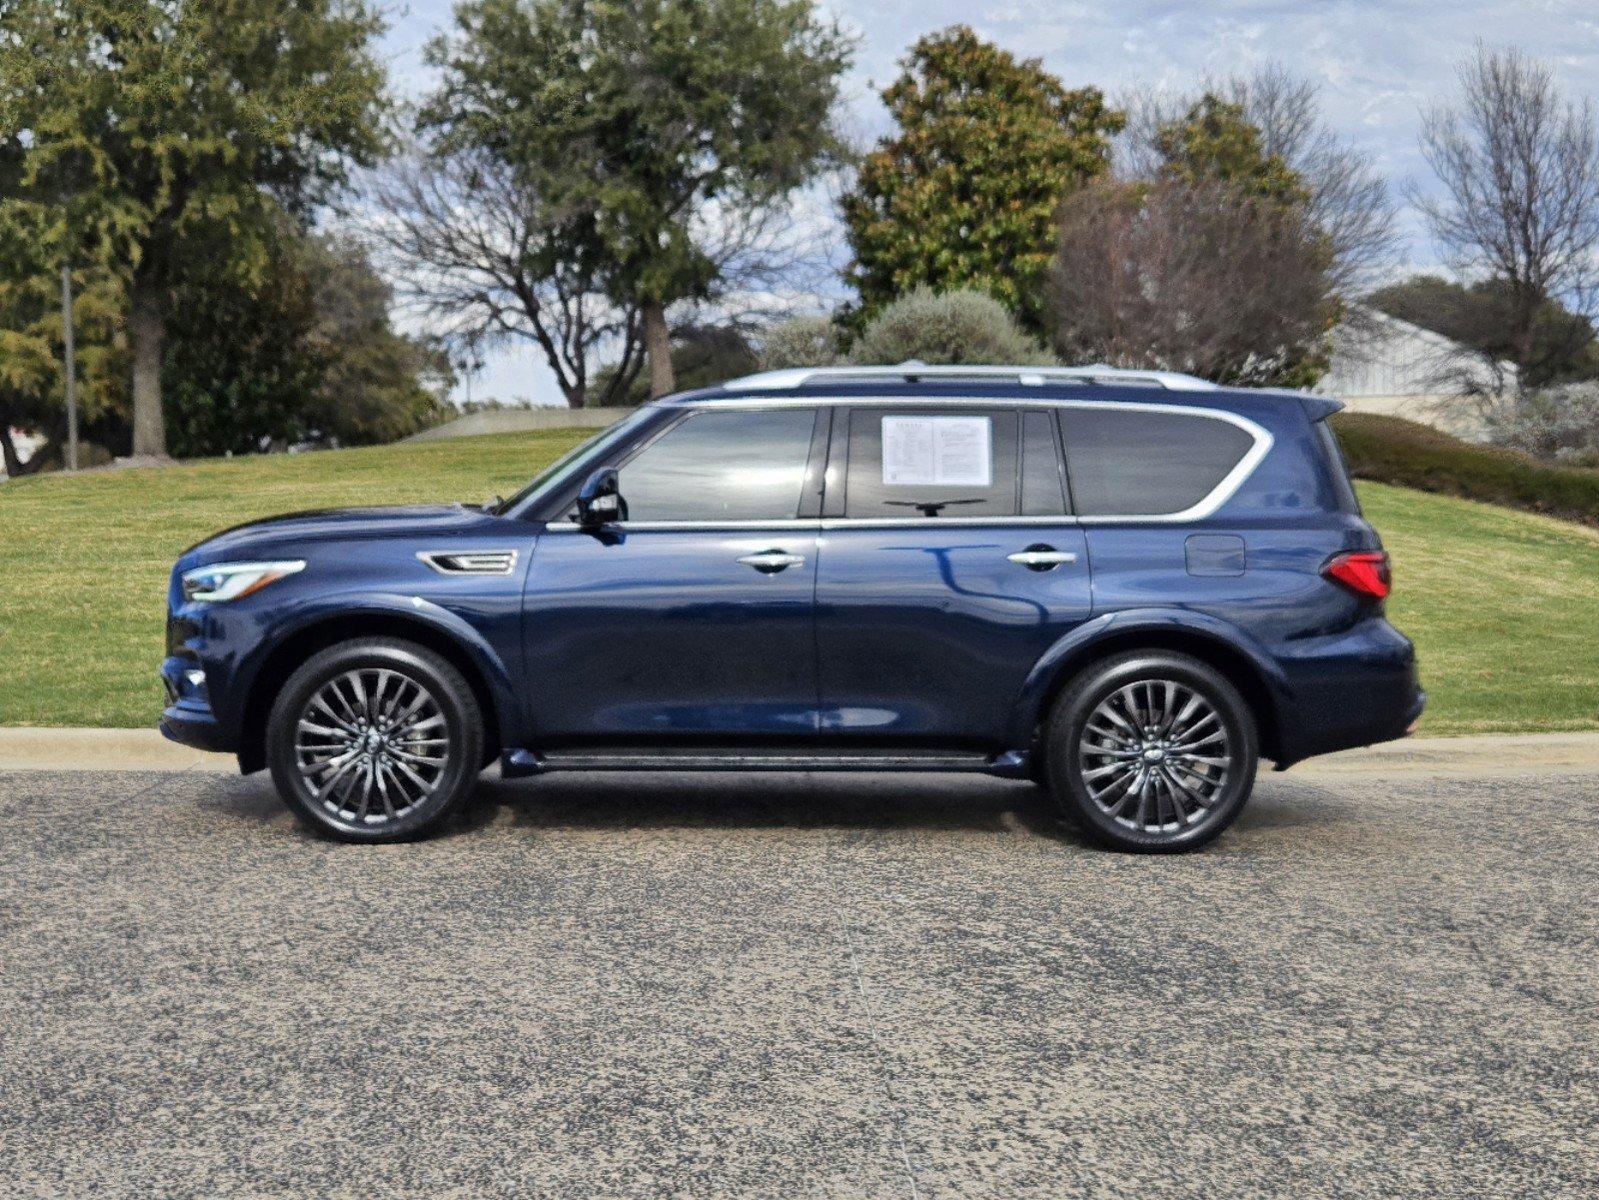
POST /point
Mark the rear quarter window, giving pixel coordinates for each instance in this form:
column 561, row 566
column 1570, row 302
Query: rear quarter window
column 1132, row 462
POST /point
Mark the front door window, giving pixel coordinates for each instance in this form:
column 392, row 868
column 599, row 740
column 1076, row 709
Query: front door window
column 722, row 466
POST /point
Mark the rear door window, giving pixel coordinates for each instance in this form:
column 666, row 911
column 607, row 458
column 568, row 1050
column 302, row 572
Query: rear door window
column 1133, row 462
column 1043, row 476
column 910, row 463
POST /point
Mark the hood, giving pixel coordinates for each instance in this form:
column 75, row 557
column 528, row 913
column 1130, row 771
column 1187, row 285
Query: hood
column 284, row 533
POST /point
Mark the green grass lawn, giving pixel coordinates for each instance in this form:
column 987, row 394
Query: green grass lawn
column 1504, row 605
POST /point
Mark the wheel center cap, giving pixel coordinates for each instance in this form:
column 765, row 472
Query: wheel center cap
column 1154, row 754
column 374, row 741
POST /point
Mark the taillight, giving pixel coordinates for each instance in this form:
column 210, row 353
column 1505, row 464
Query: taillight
column 1365, row 573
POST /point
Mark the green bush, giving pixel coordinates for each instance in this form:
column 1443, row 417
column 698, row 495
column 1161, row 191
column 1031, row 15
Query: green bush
column 1393, row 450
column 949, row 327
column 811, row 341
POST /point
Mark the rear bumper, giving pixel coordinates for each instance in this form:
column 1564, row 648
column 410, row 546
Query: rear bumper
column 1353, row 689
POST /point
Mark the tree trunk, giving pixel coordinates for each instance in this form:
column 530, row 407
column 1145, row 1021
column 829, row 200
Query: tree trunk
column 658, row 345
column 147, row 328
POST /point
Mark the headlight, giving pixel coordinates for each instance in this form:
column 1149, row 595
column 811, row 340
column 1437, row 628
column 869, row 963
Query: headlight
column 231, row 581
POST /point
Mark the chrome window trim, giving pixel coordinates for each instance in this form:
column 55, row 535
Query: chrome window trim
column 430, row 558
column 663, row 526
column 1207, row 506
column 816, row 524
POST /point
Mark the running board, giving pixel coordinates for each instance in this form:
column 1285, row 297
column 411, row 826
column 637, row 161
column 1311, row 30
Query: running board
column 1012, row 763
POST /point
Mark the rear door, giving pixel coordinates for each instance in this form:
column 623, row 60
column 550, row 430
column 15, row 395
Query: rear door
column 691, row 619
column 949, row 564
column 1149, row 482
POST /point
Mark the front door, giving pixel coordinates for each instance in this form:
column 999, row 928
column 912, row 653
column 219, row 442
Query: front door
column 693, row 619
column 949, row 567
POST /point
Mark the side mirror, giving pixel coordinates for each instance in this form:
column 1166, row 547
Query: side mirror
column 600, row 502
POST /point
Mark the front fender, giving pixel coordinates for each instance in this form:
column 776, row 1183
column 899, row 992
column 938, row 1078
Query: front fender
column 1086, row 642
column 414, row 610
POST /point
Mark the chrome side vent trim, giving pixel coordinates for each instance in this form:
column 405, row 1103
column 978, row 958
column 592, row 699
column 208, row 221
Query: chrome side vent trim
column 469, row 562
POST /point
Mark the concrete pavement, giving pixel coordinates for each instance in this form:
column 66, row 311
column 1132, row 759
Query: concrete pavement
column 792, row 987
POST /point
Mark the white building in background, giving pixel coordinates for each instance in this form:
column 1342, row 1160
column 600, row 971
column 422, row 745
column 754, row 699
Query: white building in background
column 27, row 446
column 1382, row 364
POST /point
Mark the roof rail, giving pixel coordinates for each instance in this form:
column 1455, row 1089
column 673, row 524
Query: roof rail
column 1033, row 376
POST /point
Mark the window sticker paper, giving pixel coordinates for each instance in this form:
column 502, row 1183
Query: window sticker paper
column 938, row 452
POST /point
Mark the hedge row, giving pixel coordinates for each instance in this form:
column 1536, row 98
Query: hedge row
column 1393, row 450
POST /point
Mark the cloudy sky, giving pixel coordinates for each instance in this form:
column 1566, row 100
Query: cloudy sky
column 1378, row 62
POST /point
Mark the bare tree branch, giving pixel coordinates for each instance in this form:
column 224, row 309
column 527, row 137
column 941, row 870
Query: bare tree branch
column 1519, row 169
column 770, row 258
column 1350, row 205
column 1187, row 276
column 481, row 257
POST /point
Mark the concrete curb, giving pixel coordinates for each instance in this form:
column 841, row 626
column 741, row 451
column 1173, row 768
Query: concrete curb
column 1475, row 756
column 102, row 750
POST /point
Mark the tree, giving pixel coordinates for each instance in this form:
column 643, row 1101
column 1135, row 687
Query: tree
column 1191, row 276
column 165, row 132
column 964, row 194
column 240, row 375
column 1214, row 140
column 626, row 118
column 702, row 356
column 1346, row 199
column 31, row 350
column 1211, row 257
column 308, row 351
column 952, row 327
column 376, row 384
column 1518, row 169
column 482, row 257
column 1479, row 316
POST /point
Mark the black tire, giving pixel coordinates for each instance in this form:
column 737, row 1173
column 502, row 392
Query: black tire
column 1135, row 784
column 411, row 768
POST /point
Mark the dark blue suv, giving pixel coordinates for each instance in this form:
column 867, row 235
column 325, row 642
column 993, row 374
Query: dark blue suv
column 1127, row 586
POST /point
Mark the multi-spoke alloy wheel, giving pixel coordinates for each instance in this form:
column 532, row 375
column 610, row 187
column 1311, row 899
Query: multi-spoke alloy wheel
column 1151, row 751
column 375, row 739
column 1155, row 756
column 371, row 745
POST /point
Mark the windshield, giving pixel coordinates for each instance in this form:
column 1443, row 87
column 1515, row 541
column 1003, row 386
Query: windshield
column 558, row 468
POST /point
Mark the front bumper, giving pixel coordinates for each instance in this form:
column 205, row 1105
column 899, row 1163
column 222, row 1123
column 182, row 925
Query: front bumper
column 187, row 718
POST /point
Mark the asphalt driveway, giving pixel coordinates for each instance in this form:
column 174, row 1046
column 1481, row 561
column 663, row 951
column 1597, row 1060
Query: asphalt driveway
column 799, row 987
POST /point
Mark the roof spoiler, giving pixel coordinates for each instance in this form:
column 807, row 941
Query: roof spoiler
column 1319, row 408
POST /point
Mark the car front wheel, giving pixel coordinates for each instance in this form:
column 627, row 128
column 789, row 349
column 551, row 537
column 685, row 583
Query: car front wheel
column 375, row 740
column 1152, row 752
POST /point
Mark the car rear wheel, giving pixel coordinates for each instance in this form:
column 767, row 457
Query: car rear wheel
column 375, row 740
column 1152, row 752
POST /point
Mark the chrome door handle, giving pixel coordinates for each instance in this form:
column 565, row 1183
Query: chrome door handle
column 770, row 562
column 1042, row 558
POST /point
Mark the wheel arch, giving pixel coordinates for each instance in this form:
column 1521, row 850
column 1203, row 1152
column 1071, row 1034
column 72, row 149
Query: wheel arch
column 1212, row 642
column 468, row 655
